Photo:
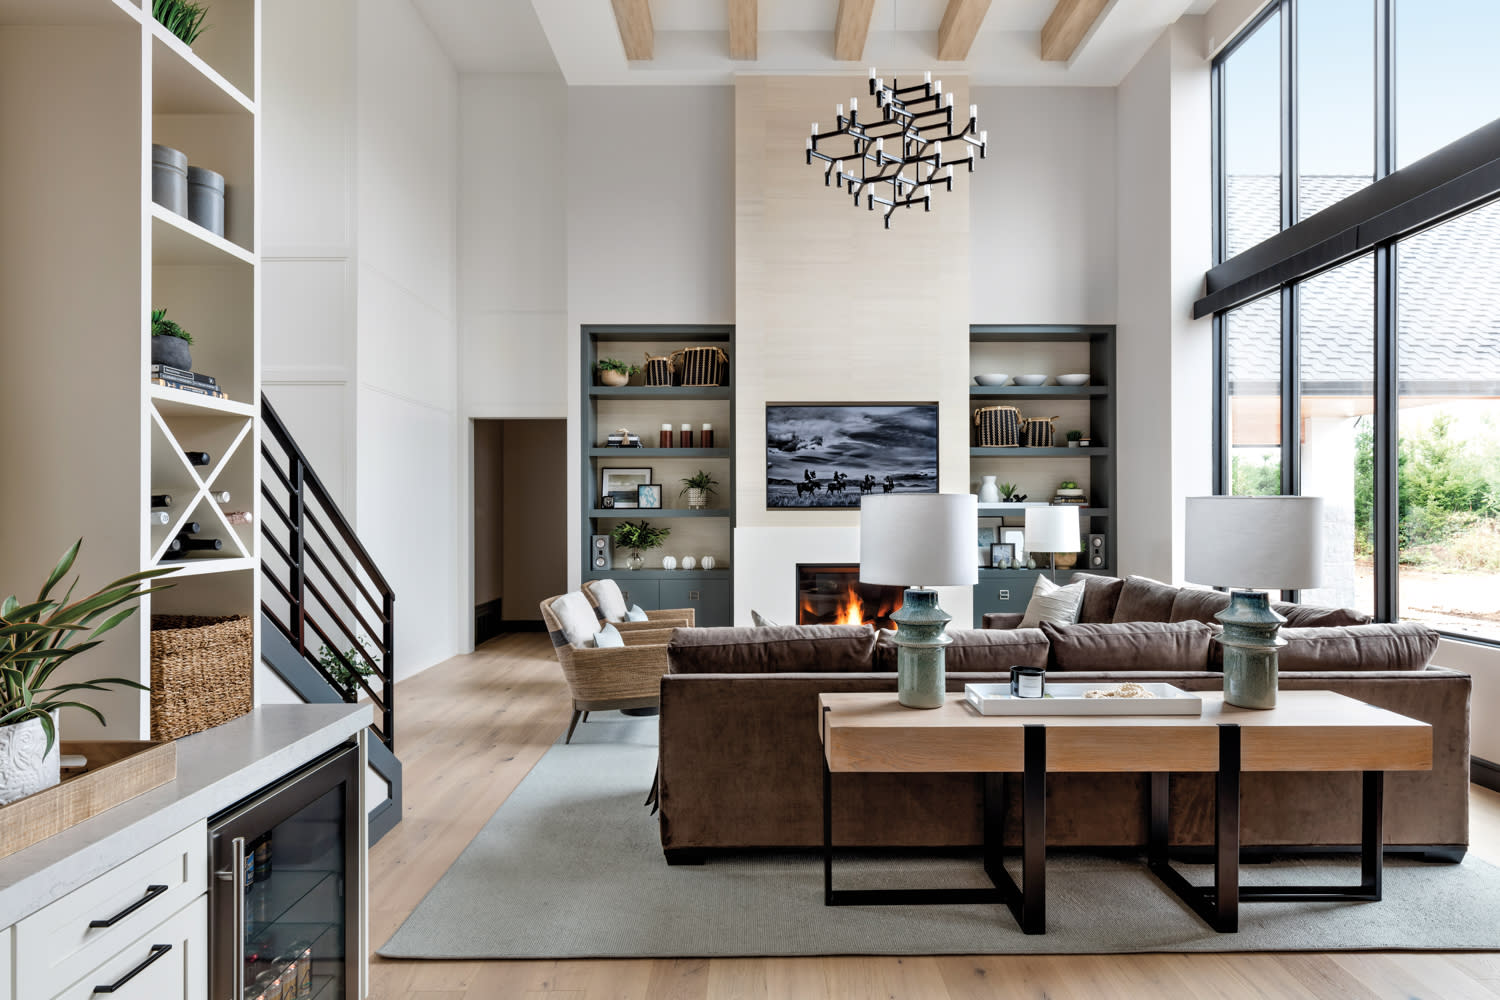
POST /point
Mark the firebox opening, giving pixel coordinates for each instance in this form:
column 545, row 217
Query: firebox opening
column 832, row 594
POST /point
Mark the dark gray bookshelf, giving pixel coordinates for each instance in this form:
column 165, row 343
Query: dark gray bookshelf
column 709, row 592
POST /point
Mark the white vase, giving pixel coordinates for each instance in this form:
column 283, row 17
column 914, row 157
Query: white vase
column 668, row 562
column 707, row 562
column 988, row 491
column 26, row 765
column 688, row 562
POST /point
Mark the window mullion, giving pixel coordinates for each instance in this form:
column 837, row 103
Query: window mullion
column 1384, row 516
column 1288, row 113
column 1385, row 87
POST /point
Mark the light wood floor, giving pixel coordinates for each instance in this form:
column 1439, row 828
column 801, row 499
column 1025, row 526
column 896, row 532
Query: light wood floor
column 470, row 730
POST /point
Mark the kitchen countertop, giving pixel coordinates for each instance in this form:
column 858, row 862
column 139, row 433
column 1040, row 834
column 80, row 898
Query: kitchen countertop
column 215, row 769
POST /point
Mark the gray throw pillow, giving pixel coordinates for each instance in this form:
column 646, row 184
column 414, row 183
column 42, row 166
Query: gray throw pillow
column 760, row 620
column 1051, row 603
column 608, row 637
column 635, row 614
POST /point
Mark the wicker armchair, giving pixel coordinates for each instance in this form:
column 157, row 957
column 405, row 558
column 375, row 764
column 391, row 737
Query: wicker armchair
column 606, row 592
column 602, row 679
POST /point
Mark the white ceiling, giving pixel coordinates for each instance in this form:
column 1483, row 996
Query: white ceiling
column 580, row 39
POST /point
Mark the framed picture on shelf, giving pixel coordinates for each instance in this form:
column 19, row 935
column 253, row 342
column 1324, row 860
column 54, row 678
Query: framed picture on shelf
column 648, row 495
column 1002, row 555
column 986, row 539
column 828, row 456
column 621, row 483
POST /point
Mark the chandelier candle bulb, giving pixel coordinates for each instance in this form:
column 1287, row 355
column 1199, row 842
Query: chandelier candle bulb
column 927, row 77
column 814, row 128
column 840, row 109
column 938, row 87
column 853, row 105
column 872, row 72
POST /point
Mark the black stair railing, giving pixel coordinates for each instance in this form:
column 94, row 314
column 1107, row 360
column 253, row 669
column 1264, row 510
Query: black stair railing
column 324, row 593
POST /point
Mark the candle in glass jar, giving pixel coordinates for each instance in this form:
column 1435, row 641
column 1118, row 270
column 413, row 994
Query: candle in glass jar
column 665, row 441
column 685, row 436
column 706, row 436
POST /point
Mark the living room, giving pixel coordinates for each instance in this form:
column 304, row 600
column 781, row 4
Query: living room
column 1189, row 249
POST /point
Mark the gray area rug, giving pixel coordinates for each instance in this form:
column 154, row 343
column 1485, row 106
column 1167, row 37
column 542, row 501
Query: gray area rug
column 570, row 866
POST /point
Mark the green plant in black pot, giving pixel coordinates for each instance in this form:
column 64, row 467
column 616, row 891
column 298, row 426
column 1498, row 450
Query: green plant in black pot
column 698, row 488
column 182, row 18
column 613, row 371
column 170, row 343
column 638, row 537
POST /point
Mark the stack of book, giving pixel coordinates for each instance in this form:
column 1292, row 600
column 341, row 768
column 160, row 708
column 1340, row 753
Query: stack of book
column 1060, row 501
column 176, row 378
column 623, row 440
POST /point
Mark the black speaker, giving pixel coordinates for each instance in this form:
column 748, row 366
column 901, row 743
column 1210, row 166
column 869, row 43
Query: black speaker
column 600, row 556
column 1098, row 552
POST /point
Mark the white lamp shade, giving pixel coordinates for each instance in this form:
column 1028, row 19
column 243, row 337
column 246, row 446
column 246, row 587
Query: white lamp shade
column 919, row 539
column 1255, row 543
column 1052, row 529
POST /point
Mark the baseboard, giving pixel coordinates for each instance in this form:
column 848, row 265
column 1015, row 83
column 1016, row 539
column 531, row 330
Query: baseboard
column 523, row 625
column 487, row 622
column 1485, row 773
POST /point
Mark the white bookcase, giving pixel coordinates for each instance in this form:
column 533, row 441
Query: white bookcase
column 86, row 87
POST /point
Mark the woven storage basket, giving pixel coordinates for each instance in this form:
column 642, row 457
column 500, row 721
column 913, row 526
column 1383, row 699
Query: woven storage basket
column 997, row 427
column 659, row 370
column 1038, row 432
column 702, row 366
column 201, row 672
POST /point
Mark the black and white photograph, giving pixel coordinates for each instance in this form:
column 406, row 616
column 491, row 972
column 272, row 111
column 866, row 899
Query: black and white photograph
column 828, row 456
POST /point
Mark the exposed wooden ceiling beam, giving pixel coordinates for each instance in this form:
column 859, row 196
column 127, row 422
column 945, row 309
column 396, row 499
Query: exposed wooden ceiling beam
column 634, row 20
column 851, row 29
column 1069, row 22
column 744, row 29
column 961, row 23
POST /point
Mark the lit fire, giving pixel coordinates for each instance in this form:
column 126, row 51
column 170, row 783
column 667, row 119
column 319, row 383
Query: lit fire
column 851, row 611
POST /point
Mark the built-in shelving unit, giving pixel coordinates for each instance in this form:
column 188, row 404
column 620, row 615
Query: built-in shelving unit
column 86, row 88
column 643, row 409
column 1050, row 350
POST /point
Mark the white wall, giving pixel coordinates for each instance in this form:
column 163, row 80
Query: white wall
column 1042, row 206
column 407, row 367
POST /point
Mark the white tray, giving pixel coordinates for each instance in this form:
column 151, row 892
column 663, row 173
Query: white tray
column 1068, row 699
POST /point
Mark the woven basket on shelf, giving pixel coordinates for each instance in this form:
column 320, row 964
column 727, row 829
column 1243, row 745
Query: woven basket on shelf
column 702, row 366
column 1038, row 432
column 659, row 370
column 997, row 427
column 202, row 670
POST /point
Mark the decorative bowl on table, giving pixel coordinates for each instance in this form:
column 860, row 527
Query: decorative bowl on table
column 993, row 379
column 1031, row 380
column 1079, row 379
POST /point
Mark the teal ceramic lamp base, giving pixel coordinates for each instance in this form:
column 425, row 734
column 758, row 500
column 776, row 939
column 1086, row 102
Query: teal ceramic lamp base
column 920, row 638
column 1250, row 642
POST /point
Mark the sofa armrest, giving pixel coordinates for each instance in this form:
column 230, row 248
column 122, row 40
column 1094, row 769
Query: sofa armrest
column 1002, row 619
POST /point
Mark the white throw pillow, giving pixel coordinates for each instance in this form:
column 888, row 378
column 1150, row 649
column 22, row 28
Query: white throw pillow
column 608, row 637
column 760, row 620
column 1051, row 603
column 611, row 601
column 576, row 616
column 635, row 614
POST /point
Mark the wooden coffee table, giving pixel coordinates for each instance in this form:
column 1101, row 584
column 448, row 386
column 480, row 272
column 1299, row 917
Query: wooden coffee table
column 1306, row 731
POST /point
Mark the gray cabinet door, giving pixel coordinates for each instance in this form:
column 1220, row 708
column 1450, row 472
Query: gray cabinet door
column 646, row 593
column 708, row 598
column 1001, row 591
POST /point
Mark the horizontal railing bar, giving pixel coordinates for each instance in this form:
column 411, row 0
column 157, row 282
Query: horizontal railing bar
column 312, row 519
column 281, row 474
column 333, row 646
column 317, row 561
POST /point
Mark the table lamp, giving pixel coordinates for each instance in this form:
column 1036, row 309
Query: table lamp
column 911, row 540
column 1054, row 530
column 1268, row 543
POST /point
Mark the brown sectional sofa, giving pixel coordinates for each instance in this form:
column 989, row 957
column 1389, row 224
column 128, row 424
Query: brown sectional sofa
column 741, row 758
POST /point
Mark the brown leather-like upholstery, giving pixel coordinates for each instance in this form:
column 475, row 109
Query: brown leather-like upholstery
column 1007, row 619
column 1145, row 600
column 1313, row 616
column 1358, row 647
column 1129, row 646
column 1101, row 595
column 741, row 767
column 777, row 649
column 1194, row 605
column 977, row 649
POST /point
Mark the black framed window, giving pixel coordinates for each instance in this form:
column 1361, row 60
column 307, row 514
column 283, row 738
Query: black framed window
column 1358, row 351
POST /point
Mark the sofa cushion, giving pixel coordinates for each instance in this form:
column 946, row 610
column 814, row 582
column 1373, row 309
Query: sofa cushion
column 977, row 650
column 1196, row 605
column 1145, row 600
column 778, row 649
column 1407, row 646
column 1100, row 596
column 1314, row 616
column 1051, row 603
column 1152, row 646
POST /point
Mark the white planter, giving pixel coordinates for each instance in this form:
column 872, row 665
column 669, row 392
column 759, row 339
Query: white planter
column 697, row 499
column 24, row 768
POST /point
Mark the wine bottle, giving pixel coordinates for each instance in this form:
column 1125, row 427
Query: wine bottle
column 239, row 517
column 161, row 499
column 197, row 457
column 157, row 517
column 174, row 547
column 200, row 544
column 219, row 496
column 190, row 528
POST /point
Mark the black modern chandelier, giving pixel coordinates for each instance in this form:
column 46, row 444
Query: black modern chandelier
column 902, row 147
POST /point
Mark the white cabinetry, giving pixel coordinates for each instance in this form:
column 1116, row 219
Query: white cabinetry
column 167, row 962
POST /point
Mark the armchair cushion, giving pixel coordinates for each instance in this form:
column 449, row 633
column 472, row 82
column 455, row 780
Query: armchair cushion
column 607, row 596
column 575, row 615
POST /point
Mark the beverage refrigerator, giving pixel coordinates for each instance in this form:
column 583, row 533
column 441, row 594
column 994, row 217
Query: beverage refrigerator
column 287, row 885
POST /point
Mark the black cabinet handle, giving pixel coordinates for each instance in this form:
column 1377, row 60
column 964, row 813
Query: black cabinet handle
column 157, row 951
column 152, row 891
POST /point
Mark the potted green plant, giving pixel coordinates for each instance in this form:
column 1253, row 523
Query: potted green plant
column 638, row 537
column 613, row 371
column 698, row 488
column 37, row 638
column 361, row 664
column 1074, row 437
column 170, row 343
column 182, row 18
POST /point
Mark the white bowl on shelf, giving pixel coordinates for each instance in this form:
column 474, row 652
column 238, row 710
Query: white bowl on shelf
column 993, row 379
column 1079, row 379
column 1070, row 493
column 1031, row 380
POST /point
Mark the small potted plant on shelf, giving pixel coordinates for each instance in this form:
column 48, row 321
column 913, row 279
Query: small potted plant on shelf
column 1009, row 495
column 170, row 343
column 182, row 18
column 35, row 639
column 613, row 371
column 638, row 537
column 698, row 488
column 1074, row 437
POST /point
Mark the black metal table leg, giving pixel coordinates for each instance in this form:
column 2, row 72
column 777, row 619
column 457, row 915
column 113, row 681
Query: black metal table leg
column 1372, row 835
column 827, row 834
column 1217, row 905
column 1158, row 819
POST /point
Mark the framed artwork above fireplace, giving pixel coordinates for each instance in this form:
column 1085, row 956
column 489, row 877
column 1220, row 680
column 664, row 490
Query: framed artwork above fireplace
column 828, row 455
